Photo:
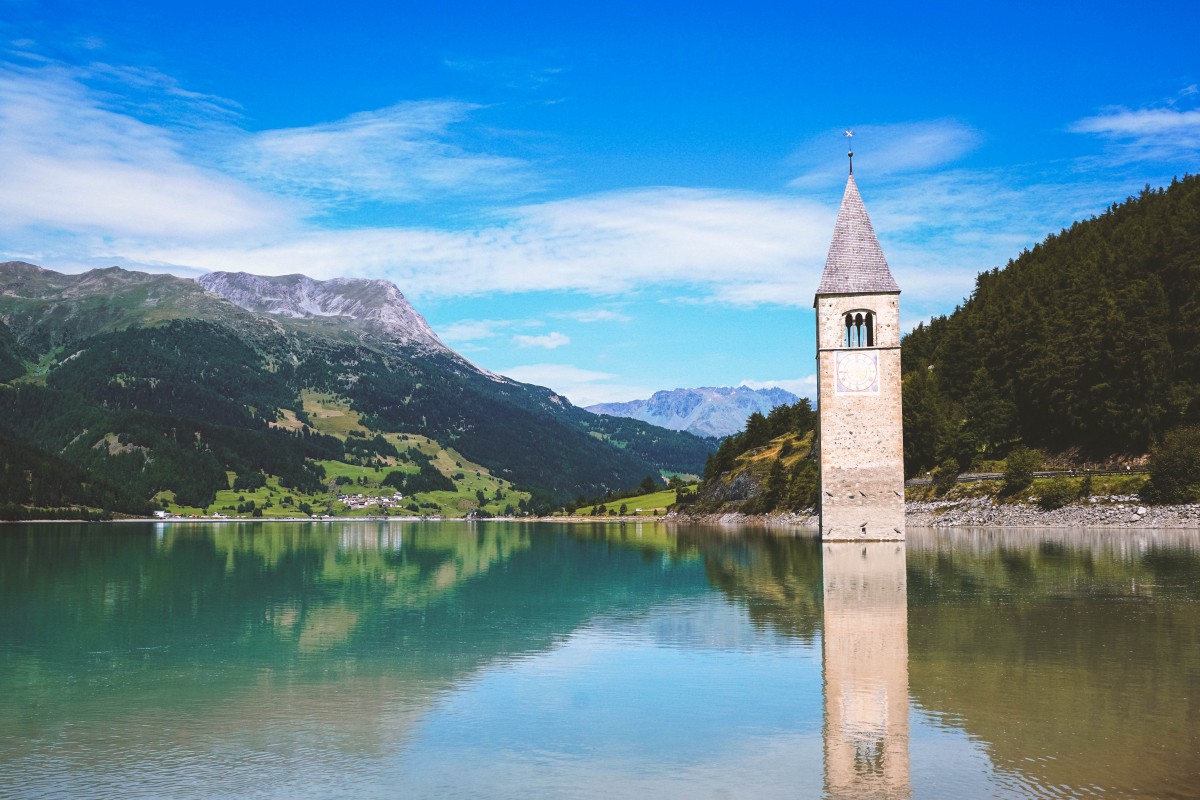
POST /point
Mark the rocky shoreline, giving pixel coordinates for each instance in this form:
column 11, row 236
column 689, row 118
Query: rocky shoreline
column 1098, row 512
column 978, row 512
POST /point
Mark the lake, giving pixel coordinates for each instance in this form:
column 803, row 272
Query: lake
column 497, row 660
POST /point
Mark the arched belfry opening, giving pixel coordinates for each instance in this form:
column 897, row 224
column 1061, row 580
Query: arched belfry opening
column 860, row 329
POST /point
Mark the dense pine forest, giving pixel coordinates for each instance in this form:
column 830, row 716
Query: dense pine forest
column 1087, row 344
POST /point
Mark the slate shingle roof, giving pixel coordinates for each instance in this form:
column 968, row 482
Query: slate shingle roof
column 855, row 264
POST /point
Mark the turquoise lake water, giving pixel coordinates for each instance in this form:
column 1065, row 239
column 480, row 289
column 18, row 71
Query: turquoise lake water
column 509, row 660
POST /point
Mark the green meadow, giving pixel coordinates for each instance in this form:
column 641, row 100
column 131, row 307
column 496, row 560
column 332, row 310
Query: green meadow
column 475, row 489
column 642, row 505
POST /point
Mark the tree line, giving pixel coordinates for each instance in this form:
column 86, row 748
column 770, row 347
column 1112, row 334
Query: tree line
column 1089, row 341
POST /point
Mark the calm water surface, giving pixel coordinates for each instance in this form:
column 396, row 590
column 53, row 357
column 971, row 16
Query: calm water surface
column 508, row 660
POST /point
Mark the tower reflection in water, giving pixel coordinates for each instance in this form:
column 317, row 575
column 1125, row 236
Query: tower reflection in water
column 866, row 670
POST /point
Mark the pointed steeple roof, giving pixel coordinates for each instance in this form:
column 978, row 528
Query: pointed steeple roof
column 855, row 264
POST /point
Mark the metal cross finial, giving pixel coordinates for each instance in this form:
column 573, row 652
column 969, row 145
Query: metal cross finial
column 849, row 134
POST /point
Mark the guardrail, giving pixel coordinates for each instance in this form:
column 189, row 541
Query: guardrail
column 975, row 477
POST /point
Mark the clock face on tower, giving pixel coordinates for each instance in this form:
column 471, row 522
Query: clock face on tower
column 857, row 372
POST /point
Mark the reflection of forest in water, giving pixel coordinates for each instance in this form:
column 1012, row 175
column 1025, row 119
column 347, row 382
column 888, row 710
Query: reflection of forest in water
column 1078, row 651
column 1074, row 655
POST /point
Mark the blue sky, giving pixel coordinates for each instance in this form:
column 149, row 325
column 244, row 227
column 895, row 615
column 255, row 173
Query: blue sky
column 608, row 200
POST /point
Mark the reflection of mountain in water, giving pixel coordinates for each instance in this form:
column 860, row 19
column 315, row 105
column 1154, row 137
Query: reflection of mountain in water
column 339, row 620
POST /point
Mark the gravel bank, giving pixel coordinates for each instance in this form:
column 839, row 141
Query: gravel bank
column 1099, row 512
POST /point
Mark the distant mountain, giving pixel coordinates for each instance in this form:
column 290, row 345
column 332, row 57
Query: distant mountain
column 706, row 411
column 165, row 384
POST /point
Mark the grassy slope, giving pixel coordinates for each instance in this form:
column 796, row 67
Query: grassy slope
column 757, row 463
column 332, row 416
column 642, row 505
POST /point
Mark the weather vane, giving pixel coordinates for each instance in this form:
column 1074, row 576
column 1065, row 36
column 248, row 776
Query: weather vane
column 849, row 135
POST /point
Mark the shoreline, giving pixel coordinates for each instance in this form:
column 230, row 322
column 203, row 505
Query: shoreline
column 979, row 512
column 983, row 512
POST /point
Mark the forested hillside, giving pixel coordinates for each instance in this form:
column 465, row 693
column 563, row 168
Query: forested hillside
column 11, row 363
column 1089, row 342
column 770, row 466
column 151, row 383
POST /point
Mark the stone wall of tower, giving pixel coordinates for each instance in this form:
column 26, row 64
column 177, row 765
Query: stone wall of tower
column 861, row 436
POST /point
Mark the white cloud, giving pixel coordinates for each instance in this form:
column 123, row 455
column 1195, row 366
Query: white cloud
column 100, row 186
column 909, row 323
column 1140, row 122
column 472, row 330
column 802, row 387
column 550, row 341
column 602, row 244
column 583, row 387
column 515, row 73
column 1160, row 134
column 406, row 152
column 743, row 249
column 159, row 94
column 70, row 164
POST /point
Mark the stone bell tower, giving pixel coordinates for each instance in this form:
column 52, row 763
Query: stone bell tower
column 860, row 426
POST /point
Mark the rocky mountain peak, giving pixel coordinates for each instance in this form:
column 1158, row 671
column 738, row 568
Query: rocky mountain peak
column 704, row 411
column 377, row 305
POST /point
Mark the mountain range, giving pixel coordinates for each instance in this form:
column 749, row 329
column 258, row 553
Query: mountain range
column 153, row 383
column 714, row 411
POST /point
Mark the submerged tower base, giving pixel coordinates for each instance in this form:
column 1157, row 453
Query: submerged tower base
column 860, row 428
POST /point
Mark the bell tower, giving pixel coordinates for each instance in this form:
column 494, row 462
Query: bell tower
column 860, row 426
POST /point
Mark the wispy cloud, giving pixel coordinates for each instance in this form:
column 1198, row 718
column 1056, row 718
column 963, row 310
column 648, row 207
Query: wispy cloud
column 886, row 150
column 1163, row 133
column 473, row 330
column 550, row 341
column 100, row 184
column 741, row 249
column 601, row 244
column 70, row 164
column 583, row 387
column 746, row 249
column 403, row 153
column 589, row 315
column 514, row 73
column 159, row 93
column 1141, row 122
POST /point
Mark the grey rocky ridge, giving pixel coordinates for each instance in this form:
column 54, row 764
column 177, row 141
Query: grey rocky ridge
column 705, row 411
column 376, row 307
